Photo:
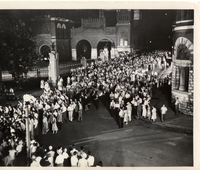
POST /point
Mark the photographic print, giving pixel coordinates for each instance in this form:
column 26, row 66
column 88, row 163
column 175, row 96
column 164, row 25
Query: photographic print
column 97, row 86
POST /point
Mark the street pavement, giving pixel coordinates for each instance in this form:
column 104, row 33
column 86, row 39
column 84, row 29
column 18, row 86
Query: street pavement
column 141, row 143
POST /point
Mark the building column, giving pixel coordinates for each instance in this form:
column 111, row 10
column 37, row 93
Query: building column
column 93, row 53
column 53, row 67
column 112, row 52
column 182, row 79
column 74, row 55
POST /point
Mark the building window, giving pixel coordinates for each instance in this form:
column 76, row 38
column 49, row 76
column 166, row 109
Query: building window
column 121, row 42
column 59, row 25
column 183, row 52
column 123, row 38
column 182, row 78
column 63, row 26
column 59, row 30
column 125, row 42
column 136, row 15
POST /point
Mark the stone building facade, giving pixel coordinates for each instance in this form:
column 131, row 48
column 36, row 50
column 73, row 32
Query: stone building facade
column 52, row 31
column 93, row 37
column 182, row 65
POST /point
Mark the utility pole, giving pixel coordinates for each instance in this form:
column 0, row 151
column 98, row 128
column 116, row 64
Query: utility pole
column 27, row 133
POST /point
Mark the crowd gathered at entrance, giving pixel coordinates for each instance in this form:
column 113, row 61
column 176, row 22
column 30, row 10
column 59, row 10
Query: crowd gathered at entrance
column 125, row 86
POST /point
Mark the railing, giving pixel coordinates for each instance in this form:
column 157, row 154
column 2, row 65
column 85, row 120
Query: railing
column 41, row 72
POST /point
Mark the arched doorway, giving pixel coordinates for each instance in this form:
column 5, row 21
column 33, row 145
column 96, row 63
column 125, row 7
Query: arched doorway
column 183, row 51
column 44, row 51
column 103, row 45
column 83, row 49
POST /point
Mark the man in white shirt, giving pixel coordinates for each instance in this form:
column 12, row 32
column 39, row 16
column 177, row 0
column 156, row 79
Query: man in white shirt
column 83, row 162
column 59, row 160
column 74, row 160
column 73, row 150
column 70, row 112
column 112, row 107
column 121, row 117
column 90, row 159
column 129, row 110
column 51, row 154
column 163, row 111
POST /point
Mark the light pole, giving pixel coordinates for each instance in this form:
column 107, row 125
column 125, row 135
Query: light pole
column 26, row 99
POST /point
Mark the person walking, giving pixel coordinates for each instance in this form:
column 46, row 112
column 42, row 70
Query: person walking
column 149, row 111
column 129, row 110
column 96, row 100
column 121, row 117
column 54, row 125
column 177, row 105
column 139, row 107
column 112, row 107
column 70, row 112
column 64, row 113
column 125, row 116
column 45, row 125
column 59, row 119
column 163, row 111
column 80, row 112
column 154, row 114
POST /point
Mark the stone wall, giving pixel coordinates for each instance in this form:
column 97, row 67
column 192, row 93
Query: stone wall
column 64, row 50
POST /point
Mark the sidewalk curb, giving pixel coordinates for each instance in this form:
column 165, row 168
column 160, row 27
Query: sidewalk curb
column 172, row 127
column 176, row 127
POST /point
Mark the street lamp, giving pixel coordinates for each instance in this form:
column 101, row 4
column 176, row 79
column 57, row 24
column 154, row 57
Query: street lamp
column 26, row 99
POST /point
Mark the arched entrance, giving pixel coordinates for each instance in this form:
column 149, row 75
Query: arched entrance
column 183, row 56
column 44, row 51
column 83, row 49
column 104, row 45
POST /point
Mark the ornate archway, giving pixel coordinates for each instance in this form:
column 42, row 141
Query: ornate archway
column 104, row 45
column 44, row 51
column 183, row 55
column 83, row 49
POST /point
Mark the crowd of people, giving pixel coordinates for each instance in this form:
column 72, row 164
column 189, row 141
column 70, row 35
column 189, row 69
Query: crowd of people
column 61, row 156
column 125, row 85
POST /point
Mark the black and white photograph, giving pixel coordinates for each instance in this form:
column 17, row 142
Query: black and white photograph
column 98, row 86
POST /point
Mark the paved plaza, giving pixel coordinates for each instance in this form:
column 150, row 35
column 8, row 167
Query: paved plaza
column 140, row 143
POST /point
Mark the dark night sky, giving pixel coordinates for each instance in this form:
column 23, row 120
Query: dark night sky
column 155, row 26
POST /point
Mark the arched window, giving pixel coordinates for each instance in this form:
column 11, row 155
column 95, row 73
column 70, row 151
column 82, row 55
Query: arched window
column 59, row 30
column 59, row 25
column 183, row 53
column 63, row 34
column 63, row 26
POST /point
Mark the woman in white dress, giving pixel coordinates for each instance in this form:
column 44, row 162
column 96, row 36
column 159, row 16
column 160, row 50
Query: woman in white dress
column 70, row 111
column 54, row 125
column 148, row 111
column 125, row 116
column 154, row 114
column 45, row 125
column 144, row 111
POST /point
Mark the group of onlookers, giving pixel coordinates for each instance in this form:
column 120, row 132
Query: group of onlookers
column 124, row 84
column 60, row 156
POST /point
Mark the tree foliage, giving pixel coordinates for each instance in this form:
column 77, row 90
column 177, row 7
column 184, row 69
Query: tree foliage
column 17, row 46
